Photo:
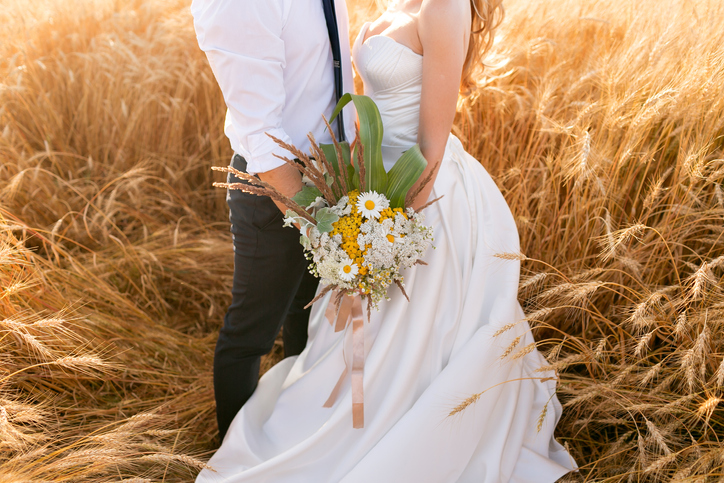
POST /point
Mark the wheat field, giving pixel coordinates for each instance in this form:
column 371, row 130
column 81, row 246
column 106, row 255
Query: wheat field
column 601, row 122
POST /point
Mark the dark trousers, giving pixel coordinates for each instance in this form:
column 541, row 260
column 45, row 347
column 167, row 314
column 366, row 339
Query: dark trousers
column 271, row 287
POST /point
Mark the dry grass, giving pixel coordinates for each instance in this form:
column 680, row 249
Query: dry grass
column 601, row 122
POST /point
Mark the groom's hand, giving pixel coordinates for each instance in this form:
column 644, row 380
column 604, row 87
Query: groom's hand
column 286, row 179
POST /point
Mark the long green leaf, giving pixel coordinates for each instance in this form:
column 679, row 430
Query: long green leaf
column 403, row 175
column 370, row 132
column 331, row 154
column 352, row 177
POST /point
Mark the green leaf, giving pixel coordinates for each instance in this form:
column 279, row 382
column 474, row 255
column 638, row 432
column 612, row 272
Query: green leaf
column 331, row 154
column 352, row 177
column 325, row 218
column 370, row 133
column 404, row 174
column 307, row 196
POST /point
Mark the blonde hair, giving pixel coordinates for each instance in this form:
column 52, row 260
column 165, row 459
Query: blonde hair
column 487, row 15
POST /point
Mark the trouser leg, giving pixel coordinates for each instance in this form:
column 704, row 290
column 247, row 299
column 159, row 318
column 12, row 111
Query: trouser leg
column 269, row 279
column 294, row 332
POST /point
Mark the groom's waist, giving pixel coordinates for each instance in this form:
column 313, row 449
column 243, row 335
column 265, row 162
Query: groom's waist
column 256, row 146
column 239, row 162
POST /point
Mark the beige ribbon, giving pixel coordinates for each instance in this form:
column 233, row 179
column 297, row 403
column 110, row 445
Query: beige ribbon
column 339, row 313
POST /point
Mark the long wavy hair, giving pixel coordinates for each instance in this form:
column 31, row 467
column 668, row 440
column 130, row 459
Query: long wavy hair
column 487, row 16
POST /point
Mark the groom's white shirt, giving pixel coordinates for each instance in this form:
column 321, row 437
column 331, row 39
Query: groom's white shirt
column 273, row 62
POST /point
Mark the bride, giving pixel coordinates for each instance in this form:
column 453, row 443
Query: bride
column 462, row 333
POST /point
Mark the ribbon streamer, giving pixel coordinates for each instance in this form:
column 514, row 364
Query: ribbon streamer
column 340, row 312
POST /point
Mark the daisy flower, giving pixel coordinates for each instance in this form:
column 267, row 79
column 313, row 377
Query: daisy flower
column 348, row 270
column 371, row 204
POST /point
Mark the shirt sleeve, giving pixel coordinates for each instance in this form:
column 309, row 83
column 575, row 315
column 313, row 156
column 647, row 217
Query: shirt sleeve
column 242, row 41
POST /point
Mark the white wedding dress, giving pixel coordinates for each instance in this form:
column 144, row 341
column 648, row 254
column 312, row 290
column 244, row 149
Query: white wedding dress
column 423, row 357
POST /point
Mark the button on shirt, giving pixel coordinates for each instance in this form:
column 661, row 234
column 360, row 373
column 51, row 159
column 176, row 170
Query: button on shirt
column 273, row 62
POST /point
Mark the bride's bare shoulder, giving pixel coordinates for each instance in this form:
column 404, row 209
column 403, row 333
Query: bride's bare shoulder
column 440, row 20
column 442, row 7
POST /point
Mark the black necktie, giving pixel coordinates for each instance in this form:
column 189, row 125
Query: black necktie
column 331, row 16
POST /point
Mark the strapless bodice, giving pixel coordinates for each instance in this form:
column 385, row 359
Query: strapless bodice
column 392, row 75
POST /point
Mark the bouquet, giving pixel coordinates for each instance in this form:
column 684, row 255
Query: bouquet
column 356, row 228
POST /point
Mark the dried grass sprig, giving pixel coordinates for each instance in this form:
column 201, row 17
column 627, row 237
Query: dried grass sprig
column 307, row 167
column 187, row 460
column 82, row 362
column 320, row 295
column 402, row 289
column 430, row 203
column 505, row 328
column 508, row 350
column 261, row 188
column 337, row 183
column 524, row 351
column 340, row 157
column 542, row 417
column 511, row 256
column 465, row 404
column 421, row 184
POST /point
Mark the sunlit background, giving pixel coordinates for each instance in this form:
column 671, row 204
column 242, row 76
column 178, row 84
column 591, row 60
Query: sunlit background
column 601, row 122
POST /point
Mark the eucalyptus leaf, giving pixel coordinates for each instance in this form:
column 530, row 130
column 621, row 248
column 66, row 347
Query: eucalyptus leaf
column 304, row 241
column 403, row 175
column 307, row 196
column 325, row 217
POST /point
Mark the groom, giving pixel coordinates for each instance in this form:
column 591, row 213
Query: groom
column 280, row 65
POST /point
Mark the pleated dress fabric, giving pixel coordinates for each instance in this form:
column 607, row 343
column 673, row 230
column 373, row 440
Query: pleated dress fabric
column 423, row 357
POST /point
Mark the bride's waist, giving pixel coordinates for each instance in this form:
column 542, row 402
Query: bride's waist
column 400, row 131
column 392, row 151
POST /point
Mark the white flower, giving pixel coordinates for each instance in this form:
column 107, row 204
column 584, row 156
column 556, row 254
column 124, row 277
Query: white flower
column 341, row 208
column 371, row 204
column 319, row 202
column 348, row 270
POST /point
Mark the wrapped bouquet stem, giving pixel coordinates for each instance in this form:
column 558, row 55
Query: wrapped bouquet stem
column 357, row 229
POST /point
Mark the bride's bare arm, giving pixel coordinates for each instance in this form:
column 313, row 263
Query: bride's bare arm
column 444, row 30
